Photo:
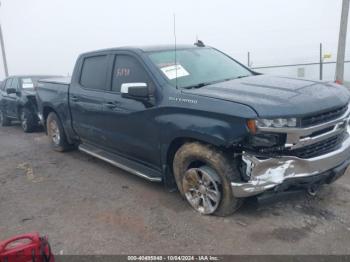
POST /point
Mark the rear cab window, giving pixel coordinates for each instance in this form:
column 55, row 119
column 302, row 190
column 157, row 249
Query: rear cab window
column 94, row 72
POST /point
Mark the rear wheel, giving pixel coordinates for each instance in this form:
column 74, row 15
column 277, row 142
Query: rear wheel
column 4, row 120
column 203, row 175
column 27, row 119
column 56, row 133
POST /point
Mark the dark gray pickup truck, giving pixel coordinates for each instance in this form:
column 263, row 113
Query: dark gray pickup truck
column 201, row 121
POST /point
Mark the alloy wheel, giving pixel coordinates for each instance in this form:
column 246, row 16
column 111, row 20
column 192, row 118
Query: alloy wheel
column 201, row 189
column 54, row 132
column 24, row 121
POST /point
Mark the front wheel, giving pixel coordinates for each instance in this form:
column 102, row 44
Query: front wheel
column 56, row 133
column 27, row 119
column 203, row 175
column 201, row 187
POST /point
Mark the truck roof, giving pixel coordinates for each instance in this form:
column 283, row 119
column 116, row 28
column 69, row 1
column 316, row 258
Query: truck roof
column 146, row 49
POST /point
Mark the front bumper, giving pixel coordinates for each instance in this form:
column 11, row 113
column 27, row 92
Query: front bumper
column 267, row 174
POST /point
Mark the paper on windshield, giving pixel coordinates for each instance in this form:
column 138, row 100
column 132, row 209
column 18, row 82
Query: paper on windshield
column 27, row 83
column 171, row 72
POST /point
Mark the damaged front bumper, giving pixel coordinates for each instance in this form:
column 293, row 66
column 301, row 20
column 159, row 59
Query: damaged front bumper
column 269, row 174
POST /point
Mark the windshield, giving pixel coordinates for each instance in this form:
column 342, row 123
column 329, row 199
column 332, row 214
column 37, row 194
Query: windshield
column 27, row 83
column 197, row 66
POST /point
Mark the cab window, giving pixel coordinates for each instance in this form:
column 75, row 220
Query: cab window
column 128, row 69
column 94, row 71
column 14, row 83
column 8, row 83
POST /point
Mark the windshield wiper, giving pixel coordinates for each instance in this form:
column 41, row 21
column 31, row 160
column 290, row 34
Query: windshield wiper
column 214, row 82
column 238, row 77
column 199, row 85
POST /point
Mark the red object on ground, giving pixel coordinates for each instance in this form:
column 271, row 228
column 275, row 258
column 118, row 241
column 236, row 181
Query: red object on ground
column 26, row 248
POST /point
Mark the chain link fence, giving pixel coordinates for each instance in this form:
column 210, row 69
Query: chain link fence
column 323, row 69
column 326, row 71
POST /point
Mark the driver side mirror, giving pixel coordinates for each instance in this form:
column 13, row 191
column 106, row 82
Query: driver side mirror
column 11, row 91
column 138, row 91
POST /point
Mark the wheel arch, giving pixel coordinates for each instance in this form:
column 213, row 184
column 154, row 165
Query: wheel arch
column 175, row 145
column 46, row 111
column 200, row 154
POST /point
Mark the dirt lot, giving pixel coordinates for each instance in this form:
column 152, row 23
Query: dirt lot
column 89, row 207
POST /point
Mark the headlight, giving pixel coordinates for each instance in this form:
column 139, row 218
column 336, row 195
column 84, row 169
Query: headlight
column 277, row 123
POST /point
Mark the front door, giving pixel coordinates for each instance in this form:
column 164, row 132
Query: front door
column 13, row 102
column 130, row 127
column 10, row 99
column 5, row 96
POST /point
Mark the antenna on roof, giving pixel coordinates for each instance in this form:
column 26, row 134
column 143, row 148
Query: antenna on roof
column 175, row 53
column 199, row 43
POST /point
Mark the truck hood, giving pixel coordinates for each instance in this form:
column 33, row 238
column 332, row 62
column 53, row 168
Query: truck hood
column 272, row 96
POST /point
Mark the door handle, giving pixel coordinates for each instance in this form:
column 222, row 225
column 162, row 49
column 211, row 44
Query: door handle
column 74, row 99
column 111, row 104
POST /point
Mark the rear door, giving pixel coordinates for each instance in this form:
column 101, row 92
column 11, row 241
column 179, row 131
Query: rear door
column 86, row 98
column 129, row 124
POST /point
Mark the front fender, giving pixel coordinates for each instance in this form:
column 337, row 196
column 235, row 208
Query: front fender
column 27, row 102
column 219, row 131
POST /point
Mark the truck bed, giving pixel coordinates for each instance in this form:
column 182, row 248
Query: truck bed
column 52, row 94
column 57, row 80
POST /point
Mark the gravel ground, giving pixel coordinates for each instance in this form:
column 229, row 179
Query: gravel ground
column 86, row 206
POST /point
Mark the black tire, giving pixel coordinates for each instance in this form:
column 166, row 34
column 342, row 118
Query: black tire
column 56, row 133
column 221, row 168
column 4, row 120
column 28, row 120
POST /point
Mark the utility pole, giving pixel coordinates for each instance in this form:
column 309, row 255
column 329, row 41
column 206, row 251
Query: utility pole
column 248, row 62
column 339, row 75
column 3, row 52
column 321, row 62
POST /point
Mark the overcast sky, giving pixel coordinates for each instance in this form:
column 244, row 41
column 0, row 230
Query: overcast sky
column 46, row 36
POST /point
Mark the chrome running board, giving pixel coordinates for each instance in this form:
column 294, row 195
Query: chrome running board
column 87, row 150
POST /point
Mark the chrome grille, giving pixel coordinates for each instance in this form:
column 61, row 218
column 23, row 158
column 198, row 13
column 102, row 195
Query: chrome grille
column 320, row 148
column 323, row 117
